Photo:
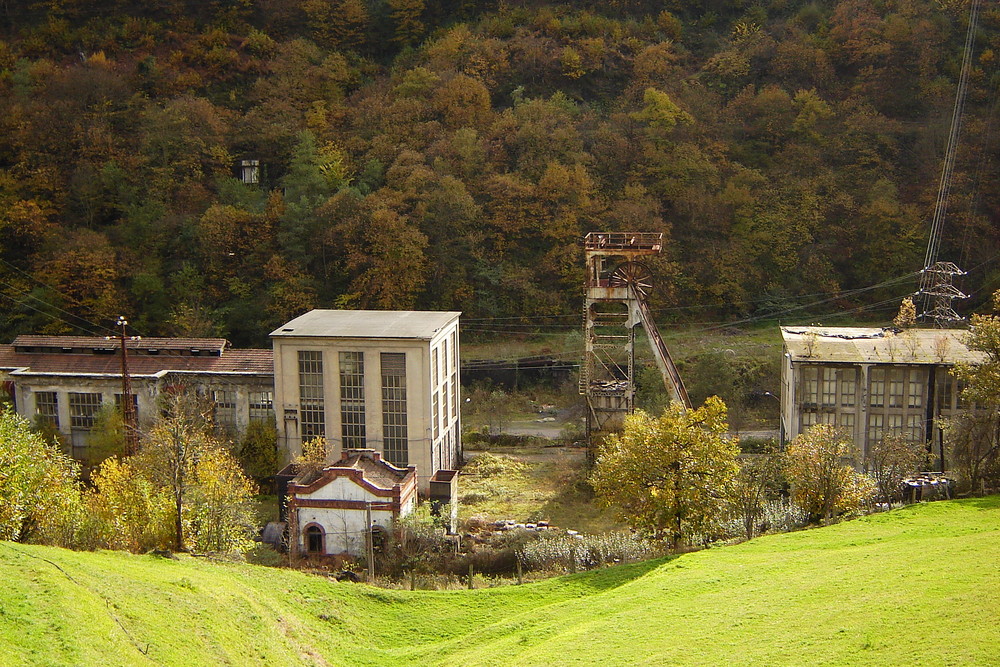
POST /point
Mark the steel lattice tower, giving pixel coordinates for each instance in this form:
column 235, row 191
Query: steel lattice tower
column 614, row 305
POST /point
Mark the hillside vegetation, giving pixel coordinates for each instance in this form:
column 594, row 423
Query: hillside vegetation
column 916, row 585
column 418, row 153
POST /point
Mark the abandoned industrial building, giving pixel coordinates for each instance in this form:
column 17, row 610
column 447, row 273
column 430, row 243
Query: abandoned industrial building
column 65, row 380
column 872, row 381
column 383, row 380
column 330, row 509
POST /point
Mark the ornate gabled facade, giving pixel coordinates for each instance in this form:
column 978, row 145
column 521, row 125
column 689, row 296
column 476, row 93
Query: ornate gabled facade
column 329, row 509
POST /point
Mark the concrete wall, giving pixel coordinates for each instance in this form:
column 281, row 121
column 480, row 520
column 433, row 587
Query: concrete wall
column 147, row 391
column 344, row 528
column 425, row 451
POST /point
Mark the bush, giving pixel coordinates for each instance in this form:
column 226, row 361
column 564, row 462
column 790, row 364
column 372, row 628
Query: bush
column 492, row 465
column 560, row 551
column 822, row 480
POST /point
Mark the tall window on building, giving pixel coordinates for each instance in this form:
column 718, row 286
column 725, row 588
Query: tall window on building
column 435, row 395
column 312, row 407
column 435, row 404
column 454, row 395
column 896, row 385
column 914, row 428
column 810, row 385
column 875, row 426
column 47, row 407
column 83, row 409
column 894, row 424
column 445, row 385
column 847, row 421
column 876, row 387
column 352, row 399
column 224, row 409
column 454, row 376
column 261, row 406
column 848, row 387
column 807, row 420
column 945, row 390
column 394, row 428
column 829, row 394
column 915, row 393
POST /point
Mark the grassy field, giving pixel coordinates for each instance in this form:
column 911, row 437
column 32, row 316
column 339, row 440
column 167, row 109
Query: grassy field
column 548, row 483
column 917, row 585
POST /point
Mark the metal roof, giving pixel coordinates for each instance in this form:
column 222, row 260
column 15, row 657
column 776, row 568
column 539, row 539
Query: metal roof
column 99, row 342
column 869, row 345
column 242, row 362
column 416, row 324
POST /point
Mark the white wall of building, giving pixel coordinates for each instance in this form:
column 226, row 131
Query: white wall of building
column 425, row 451
column 343, row 528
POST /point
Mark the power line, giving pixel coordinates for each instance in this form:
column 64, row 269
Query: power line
column 55, row 307
column 65, row 296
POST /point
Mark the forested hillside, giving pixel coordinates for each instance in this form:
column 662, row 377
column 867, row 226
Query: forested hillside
column 431, row 154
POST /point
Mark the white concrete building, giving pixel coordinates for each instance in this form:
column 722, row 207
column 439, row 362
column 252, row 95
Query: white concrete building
column 384, row 380
column 65, row 380
column 872, row 381
column 328, row 509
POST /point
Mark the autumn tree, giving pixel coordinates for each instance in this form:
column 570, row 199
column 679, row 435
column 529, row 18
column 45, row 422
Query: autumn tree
column 39, row 488
column 752, row 487
column 819, row 467
column 907, row 315
column 210, row 497
column 974, row 437
column 406, row 15
column 889, row 460
column 131, row 512
column 222, row 515
column 669, row 475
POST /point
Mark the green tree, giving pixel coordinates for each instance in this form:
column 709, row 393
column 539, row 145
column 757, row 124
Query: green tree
column 210, row 498
column 131, row 512
column 889, row 461
column 258, row 452
column 107, row 438
column 668, row 475
column 974, row 437
column 39, row 488
column 819, row 467
column 752, row 487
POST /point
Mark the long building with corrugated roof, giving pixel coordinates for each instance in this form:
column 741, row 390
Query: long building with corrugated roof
column 872, row 381
column 66, row 380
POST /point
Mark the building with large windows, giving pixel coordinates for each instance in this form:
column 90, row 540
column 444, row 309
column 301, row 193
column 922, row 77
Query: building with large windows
column 66, row 380
column 381, row 380
column 872, row 381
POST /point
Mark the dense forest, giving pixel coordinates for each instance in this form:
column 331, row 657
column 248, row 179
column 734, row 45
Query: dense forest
column 449, row 155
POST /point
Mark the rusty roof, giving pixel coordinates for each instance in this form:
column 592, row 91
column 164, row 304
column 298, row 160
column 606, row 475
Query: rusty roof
column 232, row 361
column 136, row 343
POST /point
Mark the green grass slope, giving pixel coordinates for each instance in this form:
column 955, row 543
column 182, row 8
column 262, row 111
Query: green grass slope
column 918, row 585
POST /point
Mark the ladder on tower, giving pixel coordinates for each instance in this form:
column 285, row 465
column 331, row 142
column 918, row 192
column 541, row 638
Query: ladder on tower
column 668, row 369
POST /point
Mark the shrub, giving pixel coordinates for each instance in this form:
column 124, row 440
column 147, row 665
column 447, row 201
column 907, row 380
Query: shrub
column 556, row 551
column 823, row 482
column 492, row 465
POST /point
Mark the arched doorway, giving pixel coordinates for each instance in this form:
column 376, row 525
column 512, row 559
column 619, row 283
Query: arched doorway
column 315, row 540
